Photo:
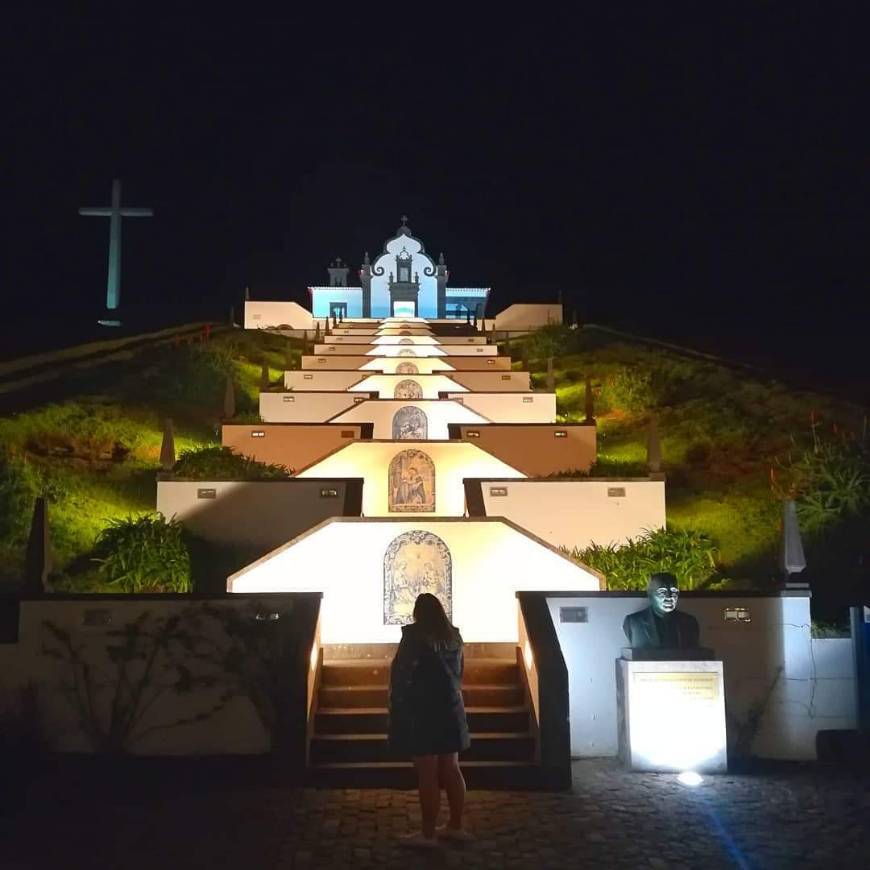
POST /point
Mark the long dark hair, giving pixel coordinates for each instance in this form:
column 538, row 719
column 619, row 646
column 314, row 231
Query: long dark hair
column 430, row 616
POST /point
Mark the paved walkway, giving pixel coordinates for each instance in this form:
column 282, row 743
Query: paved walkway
column 784, row 816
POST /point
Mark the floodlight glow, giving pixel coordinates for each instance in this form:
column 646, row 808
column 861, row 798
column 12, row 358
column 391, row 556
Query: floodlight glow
column 314, row 656
column 690, row 778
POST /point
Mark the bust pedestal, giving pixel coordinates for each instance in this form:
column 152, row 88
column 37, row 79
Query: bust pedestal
column 671, row 711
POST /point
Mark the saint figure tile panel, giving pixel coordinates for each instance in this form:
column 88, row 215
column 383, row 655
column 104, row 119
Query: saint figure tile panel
column 408, row 389
column 406, row 368
column 411, row 484
column 416, row 562
column 410, row 423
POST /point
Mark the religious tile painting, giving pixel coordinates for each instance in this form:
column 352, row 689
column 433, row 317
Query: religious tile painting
column 406, row 368
column 411, row 483
column 408, row 389
column 406, row 351
column 410, row 424
column 405, row 341
column 416, row 562
column 404, row 332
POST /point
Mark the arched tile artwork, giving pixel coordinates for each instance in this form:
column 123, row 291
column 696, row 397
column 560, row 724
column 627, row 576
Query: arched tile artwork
column 416, row 562
column 406, row 351
column 408, row 389
column 405, row 341
column 404, row 332
column 406, row 368
column 411, row 483
column 410, row 423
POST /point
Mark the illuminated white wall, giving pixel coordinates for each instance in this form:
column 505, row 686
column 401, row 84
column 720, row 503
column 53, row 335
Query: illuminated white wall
column 425, row 365
column 511, row 407
column 265, row 315
column 461, row 339
column 448, row 350
column 385, row 385
column 493, row 381
column 490, row 562
column 348, row 339
column 303, row 407
column 439, row 414
column 524, row 317
column 577, row 513
column 812, row 690
column 405, row 340
column 454, row 460
column 321, row 381
column 261, row 514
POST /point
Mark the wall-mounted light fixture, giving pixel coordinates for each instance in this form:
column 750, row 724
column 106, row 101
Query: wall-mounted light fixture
column 289, row 398
column 616, row 492
column 258, row 433
column 498, row 491
column 560, row 433
column 527, row 400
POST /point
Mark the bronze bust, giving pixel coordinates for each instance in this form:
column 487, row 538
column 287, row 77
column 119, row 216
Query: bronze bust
column 661, row 625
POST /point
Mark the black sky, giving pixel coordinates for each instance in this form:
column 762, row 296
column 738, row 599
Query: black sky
column 690, row 175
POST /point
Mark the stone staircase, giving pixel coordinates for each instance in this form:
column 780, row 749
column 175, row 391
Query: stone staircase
column 349, row 747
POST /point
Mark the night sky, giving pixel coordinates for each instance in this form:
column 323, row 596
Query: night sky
column 691, row 177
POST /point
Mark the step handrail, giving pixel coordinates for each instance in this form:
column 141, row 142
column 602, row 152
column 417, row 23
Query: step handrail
column 545, row 673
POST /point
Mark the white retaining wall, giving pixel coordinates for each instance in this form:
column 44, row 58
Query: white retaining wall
column 811, row 680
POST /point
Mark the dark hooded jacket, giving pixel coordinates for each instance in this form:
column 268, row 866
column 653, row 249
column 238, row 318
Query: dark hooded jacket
column 427, row 715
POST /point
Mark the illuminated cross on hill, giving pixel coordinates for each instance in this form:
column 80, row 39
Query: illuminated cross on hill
column 114, row 212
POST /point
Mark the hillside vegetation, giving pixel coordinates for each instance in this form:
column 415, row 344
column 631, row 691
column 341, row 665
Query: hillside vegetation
column 733, row 443
column 94, row 448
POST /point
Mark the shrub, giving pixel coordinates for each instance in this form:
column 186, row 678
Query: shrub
column 629, row 390
column 221, row 463
column 689, row 555
column 147, row 554
column 194, row 375
column 829, row 481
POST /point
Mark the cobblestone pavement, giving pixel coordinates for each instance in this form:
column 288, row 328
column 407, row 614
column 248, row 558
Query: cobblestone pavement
column 781, row 816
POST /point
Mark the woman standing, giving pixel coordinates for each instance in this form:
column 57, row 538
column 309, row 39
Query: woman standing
column 427, row 716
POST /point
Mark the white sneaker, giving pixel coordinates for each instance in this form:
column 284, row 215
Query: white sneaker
column 418, row 841
column 460, row 835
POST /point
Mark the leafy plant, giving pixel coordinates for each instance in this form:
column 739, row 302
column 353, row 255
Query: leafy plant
column 689, row 555
column 112, row 687
column 222, row 463
column 144, row 554
column 829, row 481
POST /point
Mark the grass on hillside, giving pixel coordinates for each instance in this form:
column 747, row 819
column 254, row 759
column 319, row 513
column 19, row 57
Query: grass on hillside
column 721, row 428
column 94, row 450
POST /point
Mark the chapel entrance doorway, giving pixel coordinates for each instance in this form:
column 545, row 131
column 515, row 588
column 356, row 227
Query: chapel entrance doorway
column 338, row 310
column 404, row 308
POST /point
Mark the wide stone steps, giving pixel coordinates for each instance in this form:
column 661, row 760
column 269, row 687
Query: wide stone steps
column 349, row 745
column 362, row 747
column 375, row 720
column 376, row 696
column 477, row 671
